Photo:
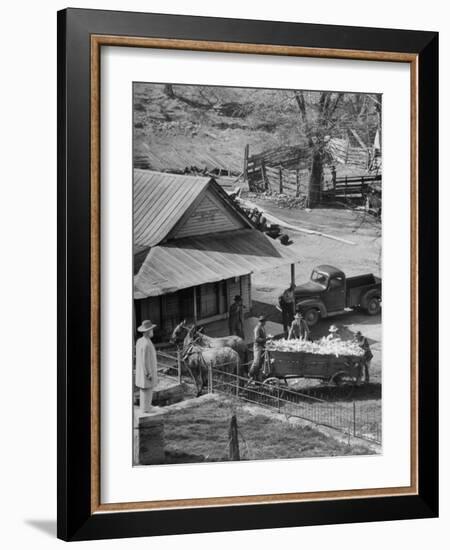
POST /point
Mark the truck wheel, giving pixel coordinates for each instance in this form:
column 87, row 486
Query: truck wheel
column 312, row 316
column 373, row 306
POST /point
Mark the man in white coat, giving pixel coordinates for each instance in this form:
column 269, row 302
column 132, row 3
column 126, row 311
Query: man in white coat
column 146, row 366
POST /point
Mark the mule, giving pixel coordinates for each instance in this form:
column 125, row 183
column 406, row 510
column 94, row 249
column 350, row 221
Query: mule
column 200, row 360
column 179, row 333
column 184, row 333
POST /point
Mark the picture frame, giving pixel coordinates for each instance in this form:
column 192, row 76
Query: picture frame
column 81, row 35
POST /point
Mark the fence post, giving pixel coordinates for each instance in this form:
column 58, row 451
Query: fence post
column 354, row 418
column 278, row 395
column 210, row 380
column 280, row 175
column 246, row 151
column 179, row 366
column 234, row 439
column 297, row 182
column 237, row 379
column 264, row 175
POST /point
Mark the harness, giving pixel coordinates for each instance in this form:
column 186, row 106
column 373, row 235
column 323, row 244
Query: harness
column 192, row 350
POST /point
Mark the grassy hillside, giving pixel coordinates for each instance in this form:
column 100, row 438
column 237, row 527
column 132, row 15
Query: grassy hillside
column 178, row 125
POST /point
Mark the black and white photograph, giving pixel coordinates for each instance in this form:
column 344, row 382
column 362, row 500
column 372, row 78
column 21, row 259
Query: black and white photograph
column 257, row 273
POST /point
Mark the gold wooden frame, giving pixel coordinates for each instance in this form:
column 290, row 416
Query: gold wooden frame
column 97, row 41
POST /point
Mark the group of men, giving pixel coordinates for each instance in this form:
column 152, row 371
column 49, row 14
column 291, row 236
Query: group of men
column 299, row 329
column 295, row 326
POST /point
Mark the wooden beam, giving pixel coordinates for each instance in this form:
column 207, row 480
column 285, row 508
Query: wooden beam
column 246, row 153
column 293, row 274
column 195, row 305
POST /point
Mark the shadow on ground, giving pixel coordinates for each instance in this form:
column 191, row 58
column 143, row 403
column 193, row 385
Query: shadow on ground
column 46, row 526
column 346, row 392
column 268, row 310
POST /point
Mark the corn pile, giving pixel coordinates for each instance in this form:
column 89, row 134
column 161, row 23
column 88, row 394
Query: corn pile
column 324, row 346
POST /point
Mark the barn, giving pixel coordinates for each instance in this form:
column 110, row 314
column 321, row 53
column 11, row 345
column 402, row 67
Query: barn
column 194, row 250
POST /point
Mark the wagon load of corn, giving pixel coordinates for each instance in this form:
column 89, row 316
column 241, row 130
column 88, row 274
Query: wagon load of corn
column 324, row 346
column 326, row 359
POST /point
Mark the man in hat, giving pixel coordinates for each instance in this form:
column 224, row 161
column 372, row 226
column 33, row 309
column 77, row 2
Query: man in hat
column 146, row 366
column 235, row 317
column 287, row 305
column 333, row 333
column 299, row 328
column 258, row 347
column 367, row 357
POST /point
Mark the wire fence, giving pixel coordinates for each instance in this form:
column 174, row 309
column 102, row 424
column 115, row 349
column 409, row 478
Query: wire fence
column 352, row 417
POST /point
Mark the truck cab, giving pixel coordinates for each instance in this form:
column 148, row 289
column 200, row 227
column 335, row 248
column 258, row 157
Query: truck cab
column 329, row 291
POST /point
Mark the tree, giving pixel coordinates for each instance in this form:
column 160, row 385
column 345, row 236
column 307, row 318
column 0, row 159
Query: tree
column 317, row 130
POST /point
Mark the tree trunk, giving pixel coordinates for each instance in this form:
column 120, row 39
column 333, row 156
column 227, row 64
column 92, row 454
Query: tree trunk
column 315, row 180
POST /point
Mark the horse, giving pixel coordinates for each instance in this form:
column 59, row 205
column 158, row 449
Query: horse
column 179, row 333
column 183, row 333
column 199, row 360
column 182, row 330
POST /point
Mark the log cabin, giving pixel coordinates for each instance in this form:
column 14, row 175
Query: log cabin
column 194, row 250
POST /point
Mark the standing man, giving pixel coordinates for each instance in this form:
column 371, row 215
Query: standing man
column 235, row 317
column 258, row 347
column 146, row 366
column 368, row 355
column 287, row 305
column 299, row 328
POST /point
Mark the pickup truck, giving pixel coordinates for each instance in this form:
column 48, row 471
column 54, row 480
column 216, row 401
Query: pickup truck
column 329, row 291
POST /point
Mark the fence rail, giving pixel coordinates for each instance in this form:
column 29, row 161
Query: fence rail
column 350, row 187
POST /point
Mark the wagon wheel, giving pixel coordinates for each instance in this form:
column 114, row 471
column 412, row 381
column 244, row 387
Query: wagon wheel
column 345, row 382
column 271, row 381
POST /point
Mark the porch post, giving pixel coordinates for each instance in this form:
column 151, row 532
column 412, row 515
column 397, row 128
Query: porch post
column 195, row 305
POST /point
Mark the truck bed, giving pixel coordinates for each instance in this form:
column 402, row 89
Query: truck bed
column 362, row 280
column 358, row 286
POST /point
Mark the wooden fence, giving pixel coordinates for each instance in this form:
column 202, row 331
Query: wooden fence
column 278, row 180
column 350, row 187
column 280, row 168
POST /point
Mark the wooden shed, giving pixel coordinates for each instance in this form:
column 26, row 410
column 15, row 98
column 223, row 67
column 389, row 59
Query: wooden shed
column 194, row 250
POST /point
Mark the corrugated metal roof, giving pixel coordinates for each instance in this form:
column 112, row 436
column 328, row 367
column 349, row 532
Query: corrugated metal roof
column 159, row 202
column 198, row 260
column 169, row 154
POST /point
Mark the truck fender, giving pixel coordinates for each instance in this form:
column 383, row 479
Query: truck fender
column 373, row 293
column 304, row 305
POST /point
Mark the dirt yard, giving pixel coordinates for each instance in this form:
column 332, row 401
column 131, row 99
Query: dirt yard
column 200, row 431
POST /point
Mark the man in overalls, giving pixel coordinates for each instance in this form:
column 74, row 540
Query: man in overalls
column 367, row 357
column 299, row 328
column 287, row 305
column 258, row 348
column 235, row 317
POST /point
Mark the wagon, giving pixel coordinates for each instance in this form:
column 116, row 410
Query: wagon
column 282, row 365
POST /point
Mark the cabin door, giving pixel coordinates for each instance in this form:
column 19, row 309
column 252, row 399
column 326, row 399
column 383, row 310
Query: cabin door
column 209, row 300
column 186, row 305
column 334, row 298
